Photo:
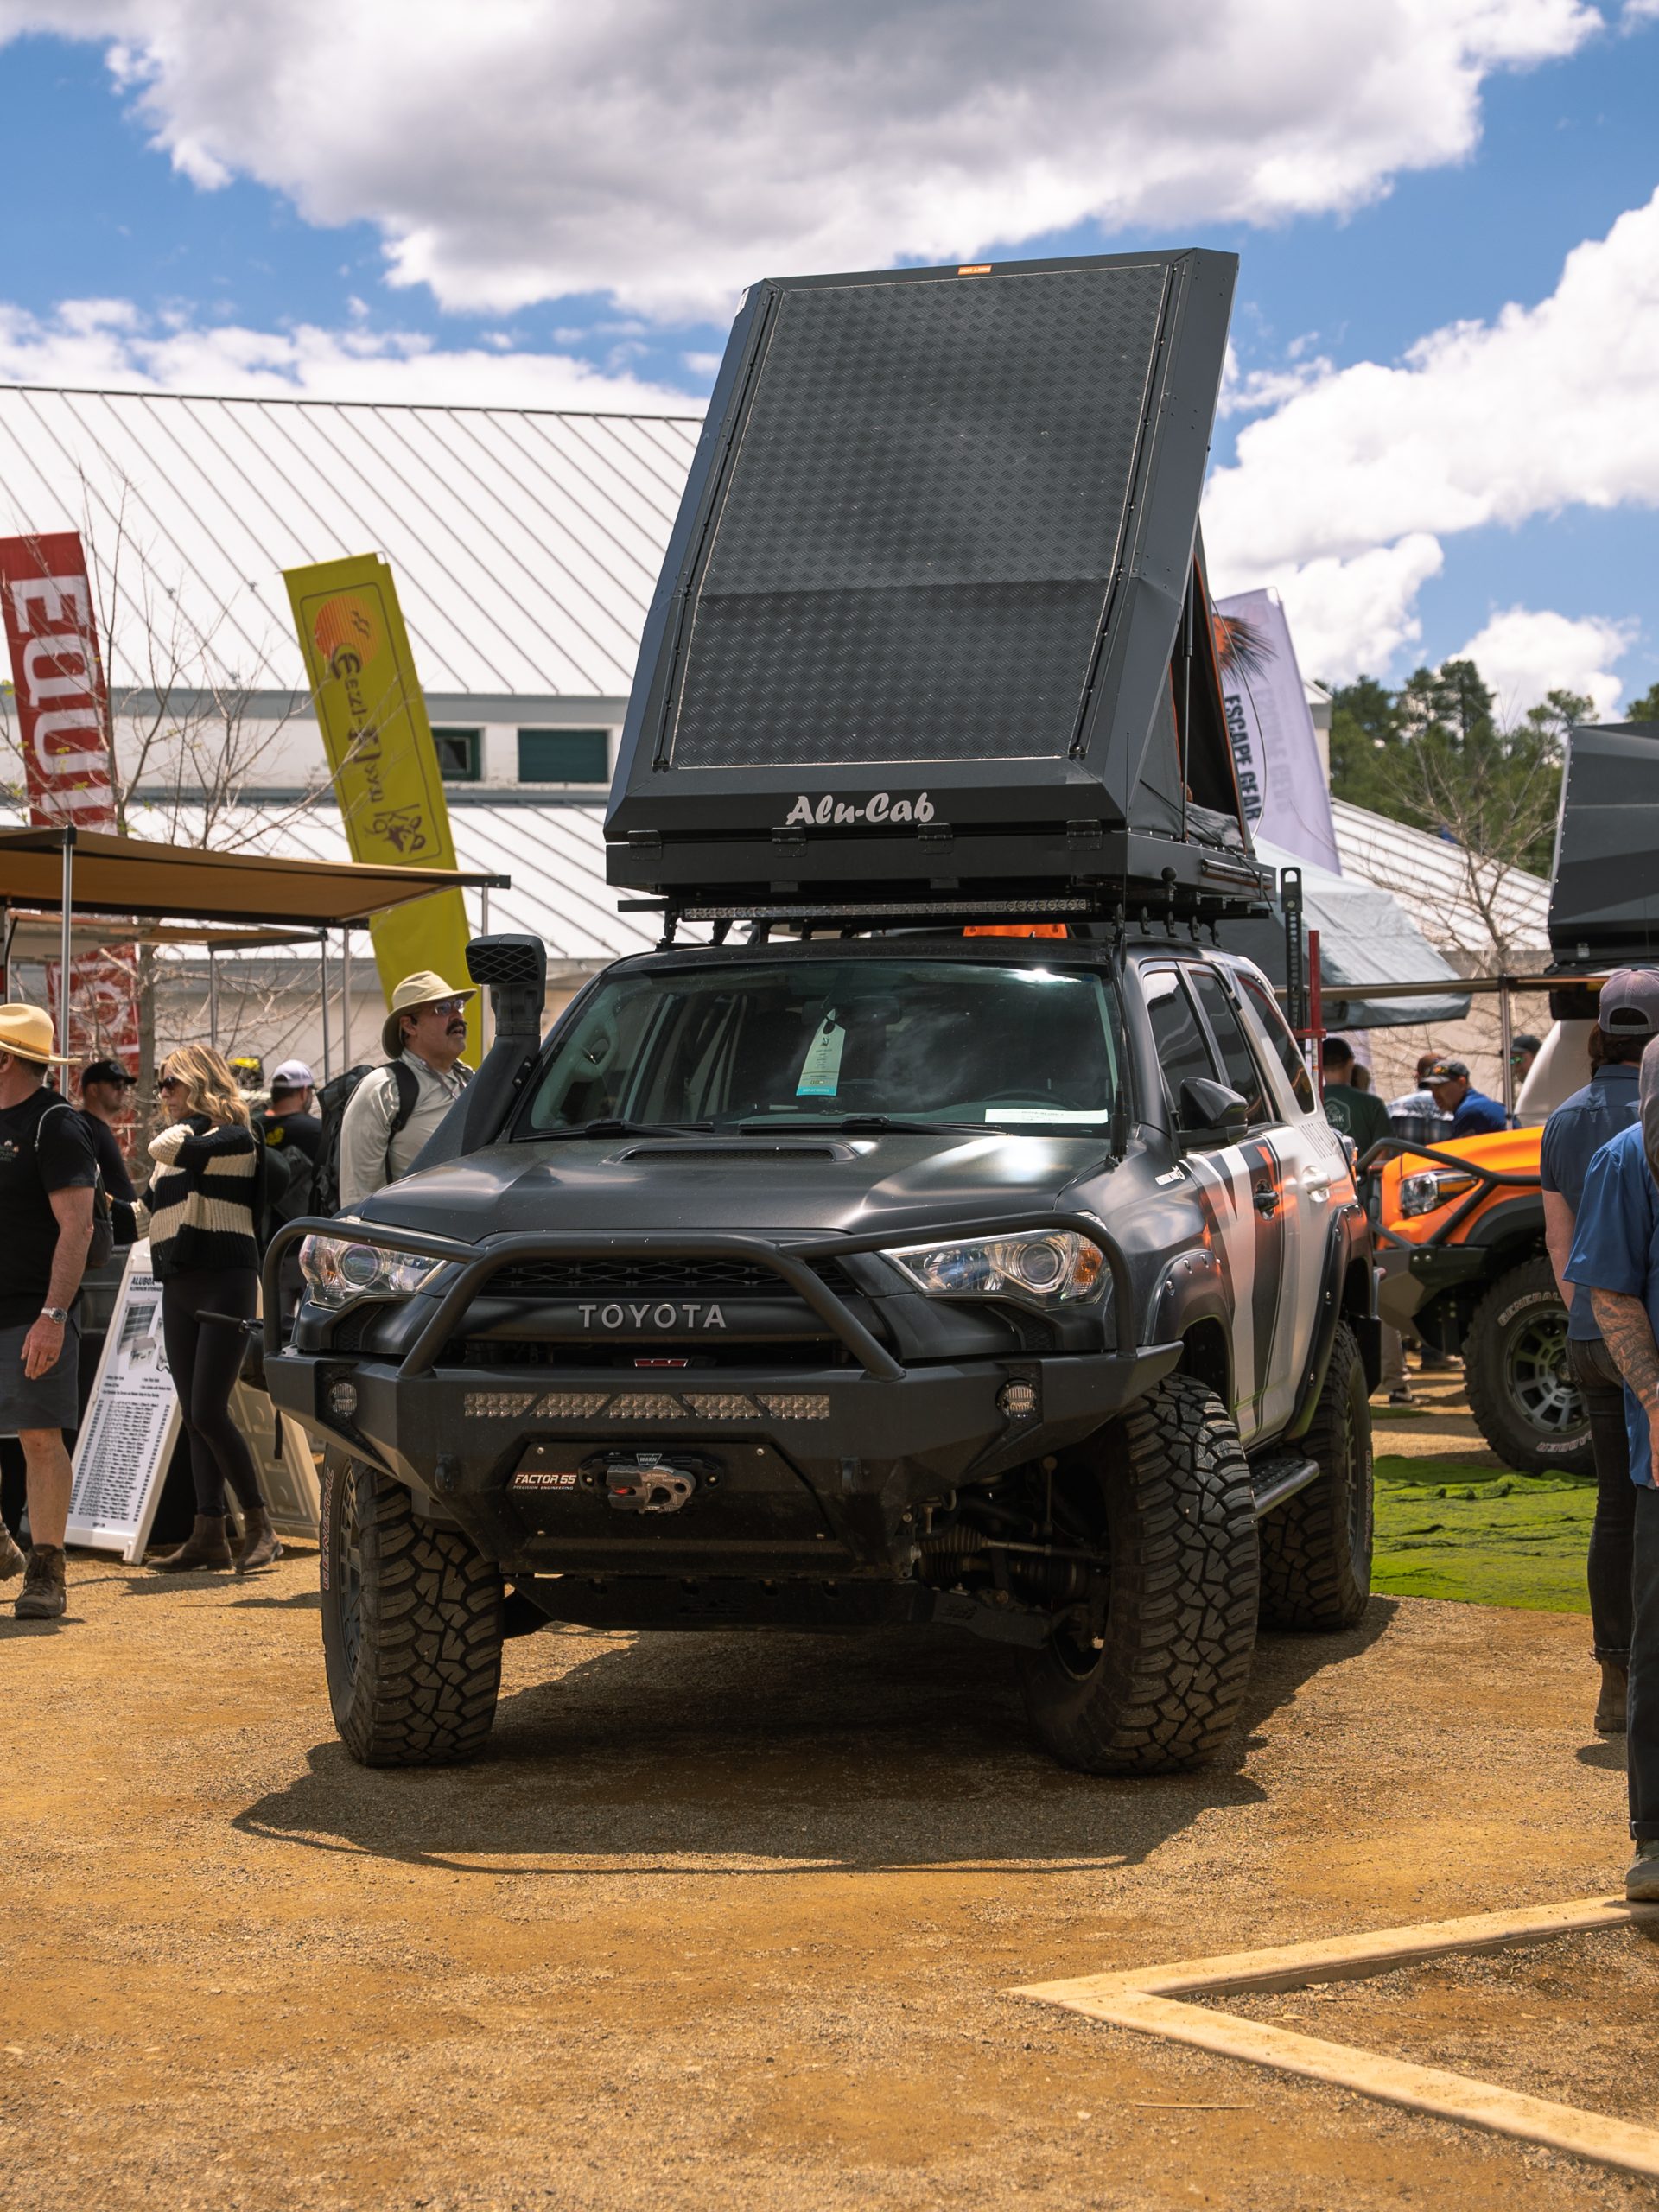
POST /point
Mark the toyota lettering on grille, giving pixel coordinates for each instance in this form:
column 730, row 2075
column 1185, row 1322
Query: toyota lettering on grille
column 677, row 1314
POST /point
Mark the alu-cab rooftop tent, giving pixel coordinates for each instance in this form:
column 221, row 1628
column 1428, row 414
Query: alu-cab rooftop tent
column 932, row 626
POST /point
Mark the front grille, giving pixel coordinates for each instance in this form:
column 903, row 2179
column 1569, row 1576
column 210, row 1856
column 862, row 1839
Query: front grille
column 618, row 1277
column 750, row 1352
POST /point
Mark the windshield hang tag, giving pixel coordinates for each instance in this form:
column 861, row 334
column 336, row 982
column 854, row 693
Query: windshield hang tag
column 821, row 1071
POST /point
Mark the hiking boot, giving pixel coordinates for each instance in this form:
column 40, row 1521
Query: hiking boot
column 261, row 1546
column 1401, row 1397
column 11, row 1559
column 1642, row 1882
column 205, row 1546
column 1609, row 1706
column 43, row 1597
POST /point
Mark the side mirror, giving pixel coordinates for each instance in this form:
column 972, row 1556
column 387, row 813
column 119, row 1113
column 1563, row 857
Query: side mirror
column 1210, row 1109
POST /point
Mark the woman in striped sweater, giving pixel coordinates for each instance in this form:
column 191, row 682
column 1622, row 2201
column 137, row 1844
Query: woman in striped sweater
column 203, row 1201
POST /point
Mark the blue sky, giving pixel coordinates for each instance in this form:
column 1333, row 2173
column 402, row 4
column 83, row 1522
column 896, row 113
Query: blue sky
column 1434, row 233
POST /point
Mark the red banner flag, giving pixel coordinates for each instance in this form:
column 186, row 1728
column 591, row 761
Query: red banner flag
column 63, row 731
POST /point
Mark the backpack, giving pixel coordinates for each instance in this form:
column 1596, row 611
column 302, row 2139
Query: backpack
column 333, row 1099
column 102, row 1246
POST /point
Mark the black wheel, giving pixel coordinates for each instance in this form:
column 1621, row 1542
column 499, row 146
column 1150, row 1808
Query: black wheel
column 411, row 1626
column 1161, row 1688
column 1316, row 1548
column 1524, row 1402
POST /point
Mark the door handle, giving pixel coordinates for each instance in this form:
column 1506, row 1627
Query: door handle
column 1266, row 1198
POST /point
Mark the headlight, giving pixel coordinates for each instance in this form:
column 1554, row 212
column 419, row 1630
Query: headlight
column 1437, row 1186
column 1049, row 1268
column 336, row 1270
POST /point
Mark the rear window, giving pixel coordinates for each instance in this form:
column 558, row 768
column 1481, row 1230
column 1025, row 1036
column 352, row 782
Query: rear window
column 1282, row 1039
column 779, row 1043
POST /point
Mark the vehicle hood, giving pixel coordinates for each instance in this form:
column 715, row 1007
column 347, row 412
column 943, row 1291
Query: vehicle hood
column 852, row 1185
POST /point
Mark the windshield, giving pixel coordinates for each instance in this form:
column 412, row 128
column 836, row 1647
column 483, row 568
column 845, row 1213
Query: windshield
column 778, row 1045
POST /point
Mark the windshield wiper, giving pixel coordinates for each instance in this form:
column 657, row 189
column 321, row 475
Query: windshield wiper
column 609, row 1126
column 849, row 1125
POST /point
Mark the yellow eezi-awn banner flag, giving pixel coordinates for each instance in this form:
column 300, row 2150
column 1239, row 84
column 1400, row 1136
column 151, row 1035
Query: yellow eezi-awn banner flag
column 385, row 766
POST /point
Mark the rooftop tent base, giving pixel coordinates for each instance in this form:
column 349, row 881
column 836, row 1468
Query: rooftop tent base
column 934, row 616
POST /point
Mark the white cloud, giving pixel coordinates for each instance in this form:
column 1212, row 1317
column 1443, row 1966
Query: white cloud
column 517, row 151
column 108, row 343
column 1523, row 655
column 1541, row 408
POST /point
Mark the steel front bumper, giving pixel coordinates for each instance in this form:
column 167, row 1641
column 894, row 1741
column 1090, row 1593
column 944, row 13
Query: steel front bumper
column 814, row 1471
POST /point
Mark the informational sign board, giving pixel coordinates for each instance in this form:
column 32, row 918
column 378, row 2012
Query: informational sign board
column 125, row 1443
column 371, row 712
column 281, row 1453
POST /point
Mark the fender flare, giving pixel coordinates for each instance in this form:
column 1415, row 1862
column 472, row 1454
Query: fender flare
column 1191, row 1290
column 1340, row 1252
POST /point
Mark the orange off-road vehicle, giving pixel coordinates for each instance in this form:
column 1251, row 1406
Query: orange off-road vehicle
column 1462, row 1263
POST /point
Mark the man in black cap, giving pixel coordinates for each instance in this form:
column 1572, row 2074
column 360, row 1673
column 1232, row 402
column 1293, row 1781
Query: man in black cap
column 103, row 1088
column 1473, row 1114
column 1627, row 1018
column 1524, row 1051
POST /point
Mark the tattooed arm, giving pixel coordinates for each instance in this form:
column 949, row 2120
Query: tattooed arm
column 1629, row 1333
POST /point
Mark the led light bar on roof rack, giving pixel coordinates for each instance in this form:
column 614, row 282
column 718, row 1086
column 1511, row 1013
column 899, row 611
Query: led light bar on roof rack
column 885, row 909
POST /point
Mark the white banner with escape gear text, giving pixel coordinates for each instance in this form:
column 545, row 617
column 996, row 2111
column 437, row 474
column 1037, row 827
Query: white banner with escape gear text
column 1275, row 750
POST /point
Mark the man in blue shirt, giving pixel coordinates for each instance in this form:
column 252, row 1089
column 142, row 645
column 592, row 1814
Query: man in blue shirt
column 1627, row 1018
column 1615, row 1258
column 1473, row 1113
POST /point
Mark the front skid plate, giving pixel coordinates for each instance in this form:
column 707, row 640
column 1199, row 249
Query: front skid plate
column 638, row 1601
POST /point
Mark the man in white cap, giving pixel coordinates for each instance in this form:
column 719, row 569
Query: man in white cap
column 393, row 1111
column 47, row 1174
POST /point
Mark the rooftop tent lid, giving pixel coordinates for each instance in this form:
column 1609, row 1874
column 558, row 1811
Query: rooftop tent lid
column 933, row 614
column 1603, row 897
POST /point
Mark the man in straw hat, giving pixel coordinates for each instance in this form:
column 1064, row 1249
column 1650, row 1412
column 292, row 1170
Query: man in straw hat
column 393, row 1111
column 47, row 1173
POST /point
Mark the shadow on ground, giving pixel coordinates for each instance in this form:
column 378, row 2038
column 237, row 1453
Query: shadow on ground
column 812, row 1753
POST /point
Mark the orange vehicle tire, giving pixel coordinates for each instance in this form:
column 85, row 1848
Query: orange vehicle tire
column 1515, row 1364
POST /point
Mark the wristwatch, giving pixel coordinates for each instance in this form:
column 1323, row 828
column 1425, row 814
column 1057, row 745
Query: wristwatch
column 58, row 1314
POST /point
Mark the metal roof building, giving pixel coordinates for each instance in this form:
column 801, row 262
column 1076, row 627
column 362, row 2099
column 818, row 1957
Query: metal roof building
column 525, row 544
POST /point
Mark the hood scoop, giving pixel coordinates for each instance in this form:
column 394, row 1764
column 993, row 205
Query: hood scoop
column 748, row 1149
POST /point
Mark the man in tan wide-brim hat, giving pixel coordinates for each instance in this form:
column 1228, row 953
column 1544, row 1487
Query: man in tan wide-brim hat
column 47, row 1173
column 394, row 1109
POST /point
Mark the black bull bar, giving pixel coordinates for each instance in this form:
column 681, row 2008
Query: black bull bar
column 477, row 1263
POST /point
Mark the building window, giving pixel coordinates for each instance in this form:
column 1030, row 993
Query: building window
column 564, row 756
column 459, row 754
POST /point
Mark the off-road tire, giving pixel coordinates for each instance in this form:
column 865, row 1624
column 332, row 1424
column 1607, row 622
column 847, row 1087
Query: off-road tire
column 1316, row 1548
column 1178, row 1518
column 411, row 1626
column 1524, row 1402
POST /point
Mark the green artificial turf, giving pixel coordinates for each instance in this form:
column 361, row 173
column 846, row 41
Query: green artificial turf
column 1482, row 1534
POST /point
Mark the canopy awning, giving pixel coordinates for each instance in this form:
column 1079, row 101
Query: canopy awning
column 1366, row 941
column 135, row 876
column 40, row 937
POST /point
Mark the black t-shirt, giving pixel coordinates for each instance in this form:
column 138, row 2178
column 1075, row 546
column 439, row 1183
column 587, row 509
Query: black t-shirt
column 299, row 1132
column 106, row 1151
column 44, row 1146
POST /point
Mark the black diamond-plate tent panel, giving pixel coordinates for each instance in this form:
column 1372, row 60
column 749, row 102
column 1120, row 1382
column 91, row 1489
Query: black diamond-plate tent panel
column 913, row 554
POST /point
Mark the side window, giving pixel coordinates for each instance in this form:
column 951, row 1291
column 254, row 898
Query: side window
column 1236, row 1054
column 1181, row 1045
column 1266, row 1009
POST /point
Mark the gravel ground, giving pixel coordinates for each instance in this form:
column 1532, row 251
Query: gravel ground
column 731, row 1921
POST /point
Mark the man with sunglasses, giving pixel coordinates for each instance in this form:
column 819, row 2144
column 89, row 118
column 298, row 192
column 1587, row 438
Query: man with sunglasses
column 395, row 1110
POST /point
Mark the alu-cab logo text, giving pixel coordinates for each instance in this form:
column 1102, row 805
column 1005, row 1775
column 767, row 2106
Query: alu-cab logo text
column 827, row 809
